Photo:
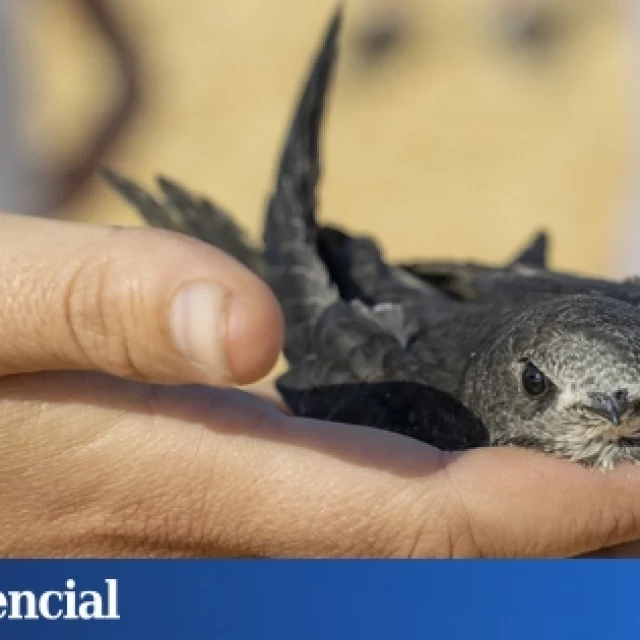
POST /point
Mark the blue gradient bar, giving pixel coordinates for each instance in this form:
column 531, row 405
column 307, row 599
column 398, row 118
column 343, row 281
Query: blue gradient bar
column 346, row 599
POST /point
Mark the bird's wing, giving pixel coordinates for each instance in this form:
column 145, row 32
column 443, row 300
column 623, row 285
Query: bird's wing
column 329, row 340
column 465, row 281
column 525, row 278
column 153, row 212
column 187, row 213
column 516, row 285
column 347, row 359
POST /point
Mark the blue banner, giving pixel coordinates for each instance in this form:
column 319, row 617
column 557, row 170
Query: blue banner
column 319, row 599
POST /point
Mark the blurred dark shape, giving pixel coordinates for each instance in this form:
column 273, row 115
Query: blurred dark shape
column 71, row 180
column 532, row 26
column 385, row 31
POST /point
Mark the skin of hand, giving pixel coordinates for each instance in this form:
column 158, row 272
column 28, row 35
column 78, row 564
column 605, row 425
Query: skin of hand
column 121, row 433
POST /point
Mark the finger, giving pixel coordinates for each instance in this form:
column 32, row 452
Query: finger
column 326, row 489
column 138, row 303
column 307, row 488
column 518, row 503
column 201, row 472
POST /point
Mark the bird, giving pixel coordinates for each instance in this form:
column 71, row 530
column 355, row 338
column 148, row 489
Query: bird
column 456, row 355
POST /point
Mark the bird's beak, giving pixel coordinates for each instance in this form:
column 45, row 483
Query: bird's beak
column 611, row 407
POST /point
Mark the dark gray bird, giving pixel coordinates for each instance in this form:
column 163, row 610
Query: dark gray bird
column 456, row 355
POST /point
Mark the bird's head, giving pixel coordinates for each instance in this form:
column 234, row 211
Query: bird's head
column 563, row 377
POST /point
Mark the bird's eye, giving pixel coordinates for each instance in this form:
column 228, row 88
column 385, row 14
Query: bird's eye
column 533, row 380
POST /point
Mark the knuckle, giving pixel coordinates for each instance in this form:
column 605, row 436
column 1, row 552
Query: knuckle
column 102, row 302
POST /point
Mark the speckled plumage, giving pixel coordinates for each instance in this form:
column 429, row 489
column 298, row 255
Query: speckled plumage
column 433, row 350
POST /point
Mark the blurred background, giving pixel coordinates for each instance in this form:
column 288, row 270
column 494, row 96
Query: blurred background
column 457, row 128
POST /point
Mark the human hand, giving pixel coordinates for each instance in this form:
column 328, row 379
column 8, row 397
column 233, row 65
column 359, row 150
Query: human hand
column 112, row 463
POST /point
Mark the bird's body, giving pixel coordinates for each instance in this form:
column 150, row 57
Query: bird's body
column 456, row 355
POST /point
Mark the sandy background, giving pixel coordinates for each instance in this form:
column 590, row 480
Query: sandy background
column 460, row 143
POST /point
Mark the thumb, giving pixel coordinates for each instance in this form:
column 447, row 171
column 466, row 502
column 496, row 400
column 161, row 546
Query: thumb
column 133, row 302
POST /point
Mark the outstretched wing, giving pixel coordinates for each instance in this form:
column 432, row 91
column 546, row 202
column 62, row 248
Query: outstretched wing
column 186, row 213
column 329, row 340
